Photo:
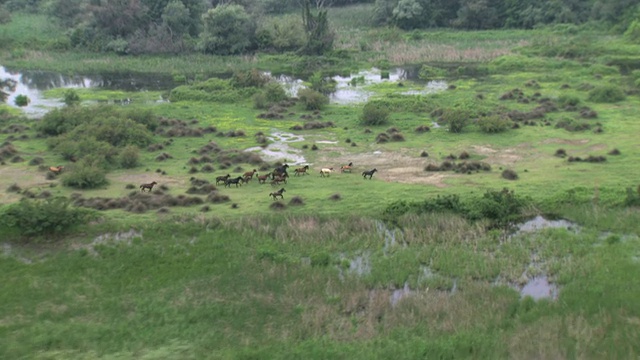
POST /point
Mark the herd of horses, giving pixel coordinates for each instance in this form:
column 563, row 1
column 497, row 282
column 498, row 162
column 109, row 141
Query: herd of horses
column 276, row 177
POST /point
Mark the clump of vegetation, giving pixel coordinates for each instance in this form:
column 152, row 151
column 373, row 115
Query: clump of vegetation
column 71, row 98
column 456, row 118
column 22, row 100
column 606, row 94
column 374, row 114
column 614, row 152
column 422, row 129
column 509, row 174
column 296, row 201
column 572, row 125
column 429, row 73
column 312, row 100
column 43, row 217
column 494, row 124
column 561, row 153
column 85, row 174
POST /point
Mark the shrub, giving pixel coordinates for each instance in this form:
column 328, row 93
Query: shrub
column 86, row 174
column 374, row 114
column 312, row 99
column 22, row 100
column 606, row 94
column 456, row 118
column 501, row 207
column 71, row 97
column 129, row 157
column 510, row 174
column 494, row 124
column 43, row 217
column 249, row 78
column 428, row 73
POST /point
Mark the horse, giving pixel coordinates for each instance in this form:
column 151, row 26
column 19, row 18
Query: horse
column 368, row 173
column 148, row 186
column 302, row 170
column 222, row 179
column 346, row 168
column 278, row 179
column 326, row 172
column 236, row 181
column 262, row 179
column 277, row 193
column 56, row 169
column 280, row 170
column 249, row 175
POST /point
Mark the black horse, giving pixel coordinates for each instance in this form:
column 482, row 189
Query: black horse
column 233, row 181
column 280, row 170
column 277, row 193
column 368, row 173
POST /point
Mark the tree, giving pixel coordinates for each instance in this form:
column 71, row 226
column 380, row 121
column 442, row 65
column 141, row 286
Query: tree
column 119, row 18
column 228, row 30
column 319, row 38
column 408, row 14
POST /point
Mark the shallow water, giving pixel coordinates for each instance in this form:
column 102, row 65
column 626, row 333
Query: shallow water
column 539, row 288
column 540, row 223
column 279, row 149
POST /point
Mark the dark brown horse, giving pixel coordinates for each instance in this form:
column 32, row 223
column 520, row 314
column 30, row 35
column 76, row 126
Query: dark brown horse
column 279, row 179
column 148, row 186
column 302, row 170
column 277, row 193
column 222, row 179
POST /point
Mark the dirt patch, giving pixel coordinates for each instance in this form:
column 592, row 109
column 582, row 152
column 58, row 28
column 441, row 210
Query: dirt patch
column 565, row 141
column 507, row 157
column 392, row 167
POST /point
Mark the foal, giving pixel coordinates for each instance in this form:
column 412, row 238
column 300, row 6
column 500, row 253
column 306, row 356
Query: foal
column 277, row 193
column 368, row 173
column 148, row 186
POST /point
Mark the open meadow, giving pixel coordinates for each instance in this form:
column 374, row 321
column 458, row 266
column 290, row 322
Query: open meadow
column 501, row 222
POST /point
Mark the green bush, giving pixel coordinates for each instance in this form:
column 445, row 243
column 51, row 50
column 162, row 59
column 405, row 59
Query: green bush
column 71, row 97
column 606, row 94
column 85, row 174
column 502, row 208
column 456, row 118
column 249, row 78
column 568, row 100
column 274, row 92
column 22, row 100
column 43, row 217
column 312, row 99
column 374, row 114
column 429, row 73
column 494, row 124
column 129, row 157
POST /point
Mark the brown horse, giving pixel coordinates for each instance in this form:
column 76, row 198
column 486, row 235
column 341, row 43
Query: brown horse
column 346, row 168
column 56, row 169
column 262, row 179
column 302, row 170
column 277, row 193
column 279, row 179
column 249, row 175
column 148, row 186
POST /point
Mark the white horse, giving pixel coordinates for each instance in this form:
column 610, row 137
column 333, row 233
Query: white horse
column 326, row 172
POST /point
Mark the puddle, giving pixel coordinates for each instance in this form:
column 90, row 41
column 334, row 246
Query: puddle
column 360, row 265
column 539, row 288
column 399, row 294
column 279, row 149
column 346, row 93
column 540, row 223
column 113, row 238
column 431, row 88
column 326, row 142
column 7, row 251
column 390, row 236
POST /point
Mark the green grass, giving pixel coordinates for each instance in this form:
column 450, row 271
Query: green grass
column 318, row 280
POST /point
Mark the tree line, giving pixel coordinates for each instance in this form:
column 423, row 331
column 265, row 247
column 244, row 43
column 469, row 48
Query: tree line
column 228, row 27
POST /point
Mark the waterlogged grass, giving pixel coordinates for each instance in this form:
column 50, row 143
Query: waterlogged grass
column 279, row 286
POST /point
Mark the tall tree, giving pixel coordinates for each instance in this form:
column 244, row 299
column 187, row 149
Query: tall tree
column 319, row 37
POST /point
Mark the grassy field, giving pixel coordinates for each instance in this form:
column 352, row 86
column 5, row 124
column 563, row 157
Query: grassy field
column 331, row 274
